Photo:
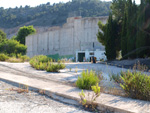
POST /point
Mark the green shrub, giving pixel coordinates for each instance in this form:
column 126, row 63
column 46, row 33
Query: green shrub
column 136, row 85
column 43, row 66
column 42, row 62
column 12, row 47
column 25, row 58
column 88, row 100
column 116, row 77
column 3, row 57
column 52, row 67
column 40, row 58
column 61, row 65
column 87, row 80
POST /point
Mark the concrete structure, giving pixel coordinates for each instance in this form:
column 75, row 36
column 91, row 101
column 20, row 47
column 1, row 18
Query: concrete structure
column 86, row 55
column 78, row 34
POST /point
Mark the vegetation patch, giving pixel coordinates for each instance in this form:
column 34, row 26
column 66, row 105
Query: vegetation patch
column 87, row 80
column 136, row 85
column 52, row 14
column 12, row 47
column 88, row 100
column 116, row 77
column 13, row 58
column 42, row 62
column 3, row 57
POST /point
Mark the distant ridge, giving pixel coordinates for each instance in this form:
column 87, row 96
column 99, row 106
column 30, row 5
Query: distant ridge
column 46, row 15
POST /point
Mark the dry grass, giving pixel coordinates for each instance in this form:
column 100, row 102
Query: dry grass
column 19, row 90
column 140, row 67
column 14, row 60
column 112, row 91
column 42, row 92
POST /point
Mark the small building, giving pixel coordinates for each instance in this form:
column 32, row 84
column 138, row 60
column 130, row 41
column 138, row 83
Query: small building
column 85, row 56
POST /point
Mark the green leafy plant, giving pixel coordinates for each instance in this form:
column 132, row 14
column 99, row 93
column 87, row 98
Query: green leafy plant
column 87, row 80
column 24, row 32
column 42, row 62
column 89, row 103
column 3, row 57
column 25, row 58
column 52, row 67
column 12, row 47
column 42, row 66
column 136, row 85
column 116, row 77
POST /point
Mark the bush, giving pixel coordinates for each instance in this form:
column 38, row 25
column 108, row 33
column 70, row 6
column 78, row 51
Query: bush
column 41, row 58
column 25, row 58
column 87, row 80
column 12, row 47
column 116, row 77
column 18, row 58
column 52, row 67
column 88, row 101
column 3, row 57
column 14, row 60
column 43, row 66
column 42, row 62
column 136, row 85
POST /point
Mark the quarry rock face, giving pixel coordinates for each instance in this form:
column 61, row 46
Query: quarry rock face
column 78, row 34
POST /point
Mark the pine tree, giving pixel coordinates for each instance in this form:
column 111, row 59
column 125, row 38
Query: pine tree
column 141, row 37
column 131, row 28
column 123, row 36
column 110, row 39
column 101, row 33
column 147, row 27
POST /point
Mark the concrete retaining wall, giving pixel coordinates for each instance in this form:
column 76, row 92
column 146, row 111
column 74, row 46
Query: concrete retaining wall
column 77, row 34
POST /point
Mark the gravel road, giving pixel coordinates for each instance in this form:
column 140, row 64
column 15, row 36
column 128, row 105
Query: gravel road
column 32, row 102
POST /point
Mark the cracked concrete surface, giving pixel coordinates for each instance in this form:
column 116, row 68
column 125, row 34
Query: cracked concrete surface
column 32, row 102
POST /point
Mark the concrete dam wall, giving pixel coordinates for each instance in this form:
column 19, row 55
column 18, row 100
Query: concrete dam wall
column 78, row 34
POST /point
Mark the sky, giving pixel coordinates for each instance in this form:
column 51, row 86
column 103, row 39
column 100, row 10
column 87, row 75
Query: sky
column 32, row 3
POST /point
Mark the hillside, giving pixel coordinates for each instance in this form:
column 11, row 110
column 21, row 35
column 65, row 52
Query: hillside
column 47, row 15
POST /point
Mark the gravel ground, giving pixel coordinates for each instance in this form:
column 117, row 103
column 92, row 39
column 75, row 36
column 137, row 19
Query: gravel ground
column 131, row 62
column 32, row 102
column 67, row 75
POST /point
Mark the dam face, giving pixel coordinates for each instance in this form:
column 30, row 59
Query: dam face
column 78, row 34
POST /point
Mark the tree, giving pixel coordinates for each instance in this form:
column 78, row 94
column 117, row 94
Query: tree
column 108, row 36
column 131, row 27
column 101, row 33
column 18, row 16
column 2, row 36
column 123, row 36
column 12, row 47
column 118, row 9
column 131, row 24
column 23, row 32
column 141, row 36
column 110, row 39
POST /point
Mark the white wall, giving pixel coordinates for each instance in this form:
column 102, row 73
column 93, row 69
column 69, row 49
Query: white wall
column 77, row 34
